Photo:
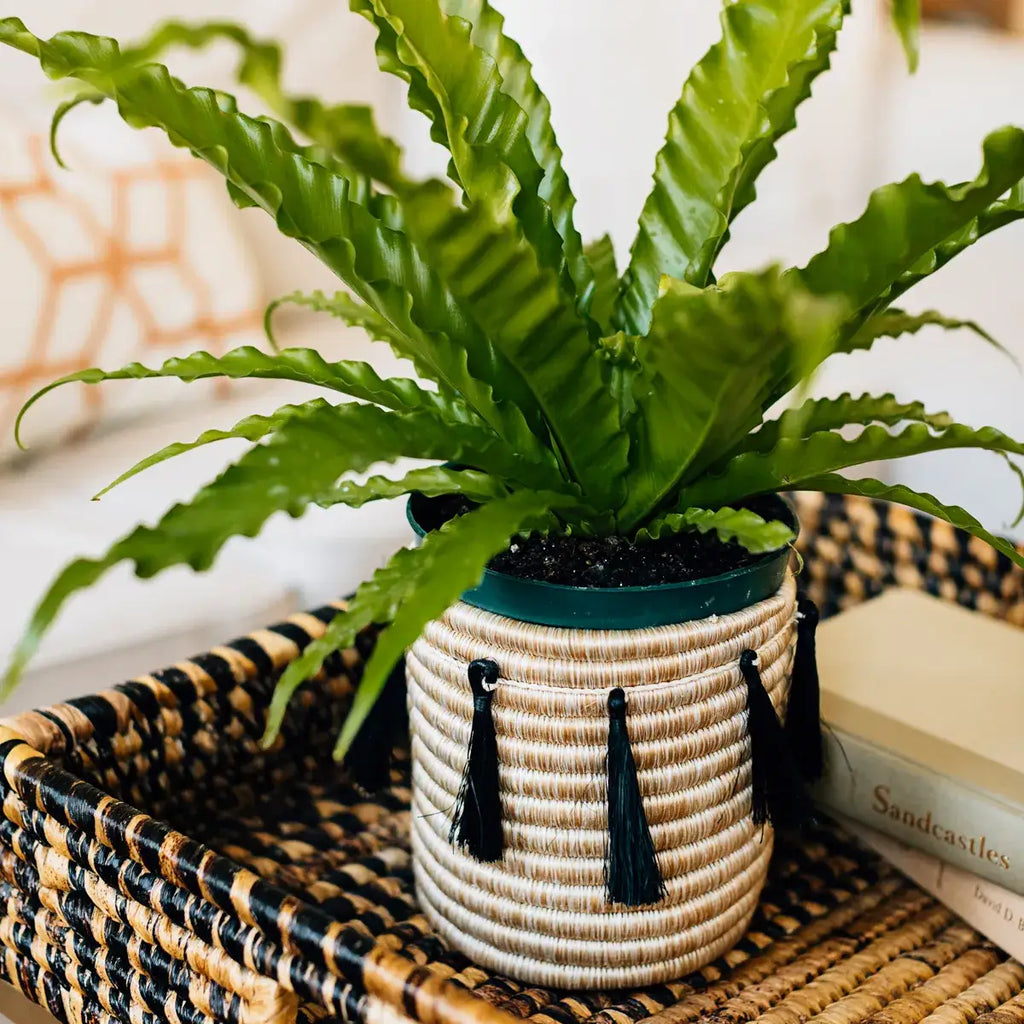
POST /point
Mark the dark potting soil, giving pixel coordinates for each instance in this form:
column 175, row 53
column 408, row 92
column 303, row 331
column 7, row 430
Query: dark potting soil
column 607, row 561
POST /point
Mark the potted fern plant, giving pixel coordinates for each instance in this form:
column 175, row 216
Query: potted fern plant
column 600, row 615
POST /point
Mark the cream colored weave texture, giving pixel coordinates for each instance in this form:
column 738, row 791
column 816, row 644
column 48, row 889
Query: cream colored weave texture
column 541, row 914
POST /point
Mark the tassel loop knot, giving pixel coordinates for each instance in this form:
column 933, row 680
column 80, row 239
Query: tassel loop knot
column 617, row 704
column 483, row 681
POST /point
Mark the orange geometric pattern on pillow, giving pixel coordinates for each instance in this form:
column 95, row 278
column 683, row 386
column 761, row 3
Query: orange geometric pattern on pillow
column 112, row 267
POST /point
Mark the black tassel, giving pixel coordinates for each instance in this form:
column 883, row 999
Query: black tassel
column 476, row 825
column 778, row 791
column 631, row 870
column 803, row 718
column 369, row 758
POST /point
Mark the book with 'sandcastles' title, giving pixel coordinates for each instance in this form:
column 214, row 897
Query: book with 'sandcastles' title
column 923, row 703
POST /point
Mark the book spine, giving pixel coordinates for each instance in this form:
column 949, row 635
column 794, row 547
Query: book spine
column 955, row 823
column 996, row 912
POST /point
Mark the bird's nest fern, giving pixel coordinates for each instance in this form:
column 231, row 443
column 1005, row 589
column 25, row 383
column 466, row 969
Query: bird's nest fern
column 582, row 399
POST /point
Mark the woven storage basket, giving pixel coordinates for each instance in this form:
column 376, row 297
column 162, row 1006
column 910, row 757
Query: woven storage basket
column 157, row 866
column 542, row 912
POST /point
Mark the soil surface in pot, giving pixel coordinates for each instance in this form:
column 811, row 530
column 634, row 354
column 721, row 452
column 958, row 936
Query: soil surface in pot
column 608, row 561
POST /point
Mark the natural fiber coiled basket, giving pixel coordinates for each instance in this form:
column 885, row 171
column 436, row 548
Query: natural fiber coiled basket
column 542, row 913
column 264, row 886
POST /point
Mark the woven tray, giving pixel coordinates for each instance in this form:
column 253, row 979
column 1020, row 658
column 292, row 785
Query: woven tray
column 156, row 866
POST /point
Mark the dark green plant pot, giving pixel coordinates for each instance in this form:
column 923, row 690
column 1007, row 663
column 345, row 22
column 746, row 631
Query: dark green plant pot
column 552, row 604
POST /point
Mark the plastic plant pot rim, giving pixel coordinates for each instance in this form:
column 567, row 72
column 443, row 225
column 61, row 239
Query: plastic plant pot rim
column 663, row 604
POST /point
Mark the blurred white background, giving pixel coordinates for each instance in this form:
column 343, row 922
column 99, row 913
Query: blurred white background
column 612, row 69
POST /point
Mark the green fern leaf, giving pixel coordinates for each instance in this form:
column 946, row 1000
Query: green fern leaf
column 795, row 459
column 353, row 312
column 303, row 365
column 601, row 256
column 906, row 222
column 906, row 16
column 460, row 88
column 892, row 323
column 535, row 327
column 431, row 482
column 437, row 438
column 919, row 500
column 347, row 131
column 488, row 33
column 349, row 310
column 301, row 461
column 997, row 215
column 709, row 357
column 739, row 99
column 819, row 414
column 250, row 428
column 451, row 561
column 757, row 534
column 376, row 601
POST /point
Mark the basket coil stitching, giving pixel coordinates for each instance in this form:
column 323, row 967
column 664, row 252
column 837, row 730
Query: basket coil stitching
column 543, row 907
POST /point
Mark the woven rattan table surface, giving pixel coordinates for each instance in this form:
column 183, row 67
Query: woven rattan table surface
column 116, row 909
column 839, row 936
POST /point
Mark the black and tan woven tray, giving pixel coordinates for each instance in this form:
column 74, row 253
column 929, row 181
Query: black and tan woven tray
column 157, row 866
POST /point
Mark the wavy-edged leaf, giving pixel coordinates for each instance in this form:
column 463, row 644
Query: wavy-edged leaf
column 601, row 255
column 380, row 598
column 354, row 313
column 451, row 561
column 432, row 481
column 434, row 438
column 349, row 131
column 349, row 310
column 710, row 355
column 309, row 202
column 420, row 96
column 303, row 365
column 906, row 16
column 907, row 221
column 488, row 33
column 892, row 323
column 997, row 215
column 376, row 601
column 481, row 125
column 817, row 414
column 346, row 130
column 744, row 526
column 534, row 325
column 259, row 69
column 62, row 110
column 781, row 105
column 794, row 459
column 301, row 461
column 899, row 494
column 249, row 428
column 738, row 100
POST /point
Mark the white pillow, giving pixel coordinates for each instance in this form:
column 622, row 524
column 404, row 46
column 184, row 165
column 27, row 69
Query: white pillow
column 133, row 254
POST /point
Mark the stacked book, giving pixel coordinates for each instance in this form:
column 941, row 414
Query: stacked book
column 923, row 703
